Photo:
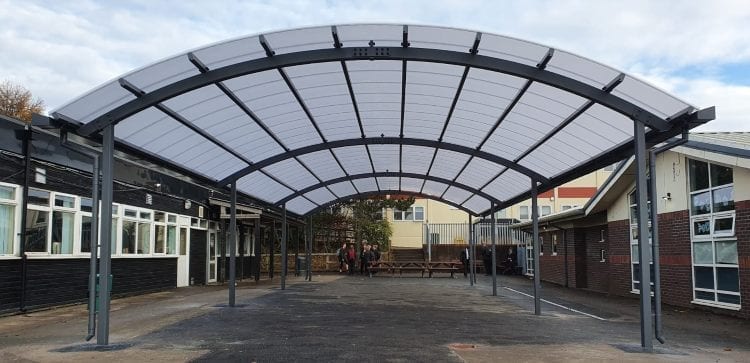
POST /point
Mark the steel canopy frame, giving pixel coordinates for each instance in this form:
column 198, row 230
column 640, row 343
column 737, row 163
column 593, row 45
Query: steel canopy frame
column 384, row 192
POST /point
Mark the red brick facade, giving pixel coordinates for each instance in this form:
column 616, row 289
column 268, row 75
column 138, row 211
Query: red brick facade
column 585, row 269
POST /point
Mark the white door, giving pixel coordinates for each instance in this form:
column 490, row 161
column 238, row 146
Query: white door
column 212, row 246
column 183, row 259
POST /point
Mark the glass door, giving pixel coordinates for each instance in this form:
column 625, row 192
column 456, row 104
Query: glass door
column 212, row 246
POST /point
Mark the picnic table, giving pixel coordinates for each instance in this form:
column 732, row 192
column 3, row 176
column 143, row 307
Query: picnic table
column 419, row 266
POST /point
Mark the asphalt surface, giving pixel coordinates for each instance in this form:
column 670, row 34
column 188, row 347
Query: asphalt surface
column 380, row 319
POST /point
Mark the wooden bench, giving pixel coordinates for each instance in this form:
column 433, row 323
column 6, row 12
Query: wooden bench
column 444, row 266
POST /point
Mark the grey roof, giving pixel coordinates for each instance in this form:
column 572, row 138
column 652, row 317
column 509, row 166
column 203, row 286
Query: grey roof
column 307, row 117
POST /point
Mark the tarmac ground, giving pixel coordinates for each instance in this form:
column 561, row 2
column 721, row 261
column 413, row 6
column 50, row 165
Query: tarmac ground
column 380, row 319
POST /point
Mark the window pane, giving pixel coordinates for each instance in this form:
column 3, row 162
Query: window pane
column 634, row 253
column 144, row 238
column 146, row 215
column 720, row 175
column 114, row 236
column 524, row 212
column 183, row 242
column 62, row 232
column 726, row 252
column 131, row 213
column 409, row 215
column 634, row 233
column 7, row 192
column 160, row 239
column 631, row 198
column 86, row 234
column 700, row 203
column 702, row 253
column 703, row 295
column 115, row 209
column 418, row 213
column 159, row 217
column 633, row 214
column 704, row 277
column 128, row 237
column 64, row 201
column 36, row 230
column 546, row 210
column 727, row 279
column 171, row 240
column 7, row 224
column 698, row 175
column 723, row 225
column 702, row 228
column 38, row 197
column 565, row 207
column 729, row 299
column 397, row 215
column 171, row 218
column 723, row 199
column 86, row 204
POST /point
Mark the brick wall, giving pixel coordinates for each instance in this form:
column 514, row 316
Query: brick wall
column 618, row 245
column 597, row 272
column 553, row 266
column 742, row 229
column 676, row 263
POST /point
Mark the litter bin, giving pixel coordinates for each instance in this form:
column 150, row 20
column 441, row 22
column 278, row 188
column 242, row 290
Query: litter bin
column 96, row 304
column 300, row 266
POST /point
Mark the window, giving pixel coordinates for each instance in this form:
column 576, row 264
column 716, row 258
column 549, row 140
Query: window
column 635, row 268
column 541, row 246
column 524, row 212
column 249, row 242
column 165, row 232
column 545, row 210
column 554, row 244
column 37, row 221
column 566, row 207
column 136, row 232
column 9, row 200
column 414, row 213
column 712, row 219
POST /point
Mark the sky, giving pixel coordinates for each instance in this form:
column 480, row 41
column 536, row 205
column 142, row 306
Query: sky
column 698, row 51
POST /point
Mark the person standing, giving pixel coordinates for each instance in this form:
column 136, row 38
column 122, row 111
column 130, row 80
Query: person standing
column 351, row 258
column 465, row 258
column 487, row 258
column 342, row 258
column 364, row 258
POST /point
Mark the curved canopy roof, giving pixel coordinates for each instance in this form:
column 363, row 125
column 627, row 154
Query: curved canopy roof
column 306, row 117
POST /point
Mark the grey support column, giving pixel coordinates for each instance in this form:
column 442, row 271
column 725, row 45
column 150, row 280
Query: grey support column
column 94, row 246
column 257, row 249
column 473, row 261
column 283, row 249
column 105, row 261
column 309, row 229
column 535, row 236
column 494, row 250
column 653, row 197
column 232, row 243
column 644, row 251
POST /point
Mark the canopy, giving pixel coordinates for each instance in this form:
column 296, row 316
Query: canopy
column 307, row 117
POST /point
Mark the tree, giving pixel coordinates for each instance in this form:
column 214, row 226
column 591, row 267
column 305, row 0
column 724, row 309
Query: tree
column 18, row 102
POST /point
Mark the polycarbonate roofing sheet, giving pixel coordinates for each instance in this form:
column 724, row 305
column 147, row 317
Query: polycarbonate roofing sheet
column 236, row 94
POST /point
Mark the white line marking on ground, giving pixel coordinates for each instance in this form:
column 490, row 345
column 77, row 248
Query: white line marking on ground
column 558, row 305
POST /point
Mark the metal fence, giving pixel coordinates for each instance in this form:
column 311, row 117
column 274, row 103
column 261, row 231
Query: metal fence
column 458, row 233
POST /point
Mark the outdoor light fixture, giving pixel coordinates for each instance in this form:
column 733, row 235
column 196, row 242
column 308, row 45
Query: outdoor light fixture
column 187, row 204
column 667, row 197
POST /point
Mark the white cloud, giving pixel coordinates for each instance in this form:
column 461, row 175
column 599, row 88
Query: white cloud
column 62, row 49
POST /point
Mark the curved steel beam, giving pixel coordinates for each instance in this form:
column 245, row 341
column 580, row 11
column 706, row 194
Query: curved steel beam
column 467, row 59
column 385, row 192
column 381, row 141
column 302, row 192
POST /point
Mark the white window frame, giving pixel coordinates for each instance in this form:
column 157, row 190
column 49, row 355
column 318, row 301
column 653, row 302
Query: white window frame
column 713, row 237
column 403, row 214
column 520, row 212
column 138, row 220
column 554, row 244
column 16, row 233
column 634, row 242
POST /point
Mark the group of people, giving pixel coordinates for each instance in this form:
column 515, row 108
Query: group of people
column 367, row 254
column 485, row 253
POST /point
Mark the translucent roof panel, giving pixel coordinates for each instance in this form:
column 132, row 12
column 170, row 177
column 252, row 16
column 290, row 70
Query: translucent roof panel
column 478, row 172
column 485, row 97
column 292, row 173
column 411, row 184
column 323, row 164
column 385, row 157
column 326, row 95
column 148, row 130
column 216, row 110
column 366, row 185
column 343, row 188
column 509, row 184
column 354, row 159
column 389, row 183
column 269, row 97
column 448, row 163
column 262, row 187
column 377, row 88
column 434, row 188
column 416, row 159
column 539, row 110
column 430, row 89
column 320, row 196
column 300, row 205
